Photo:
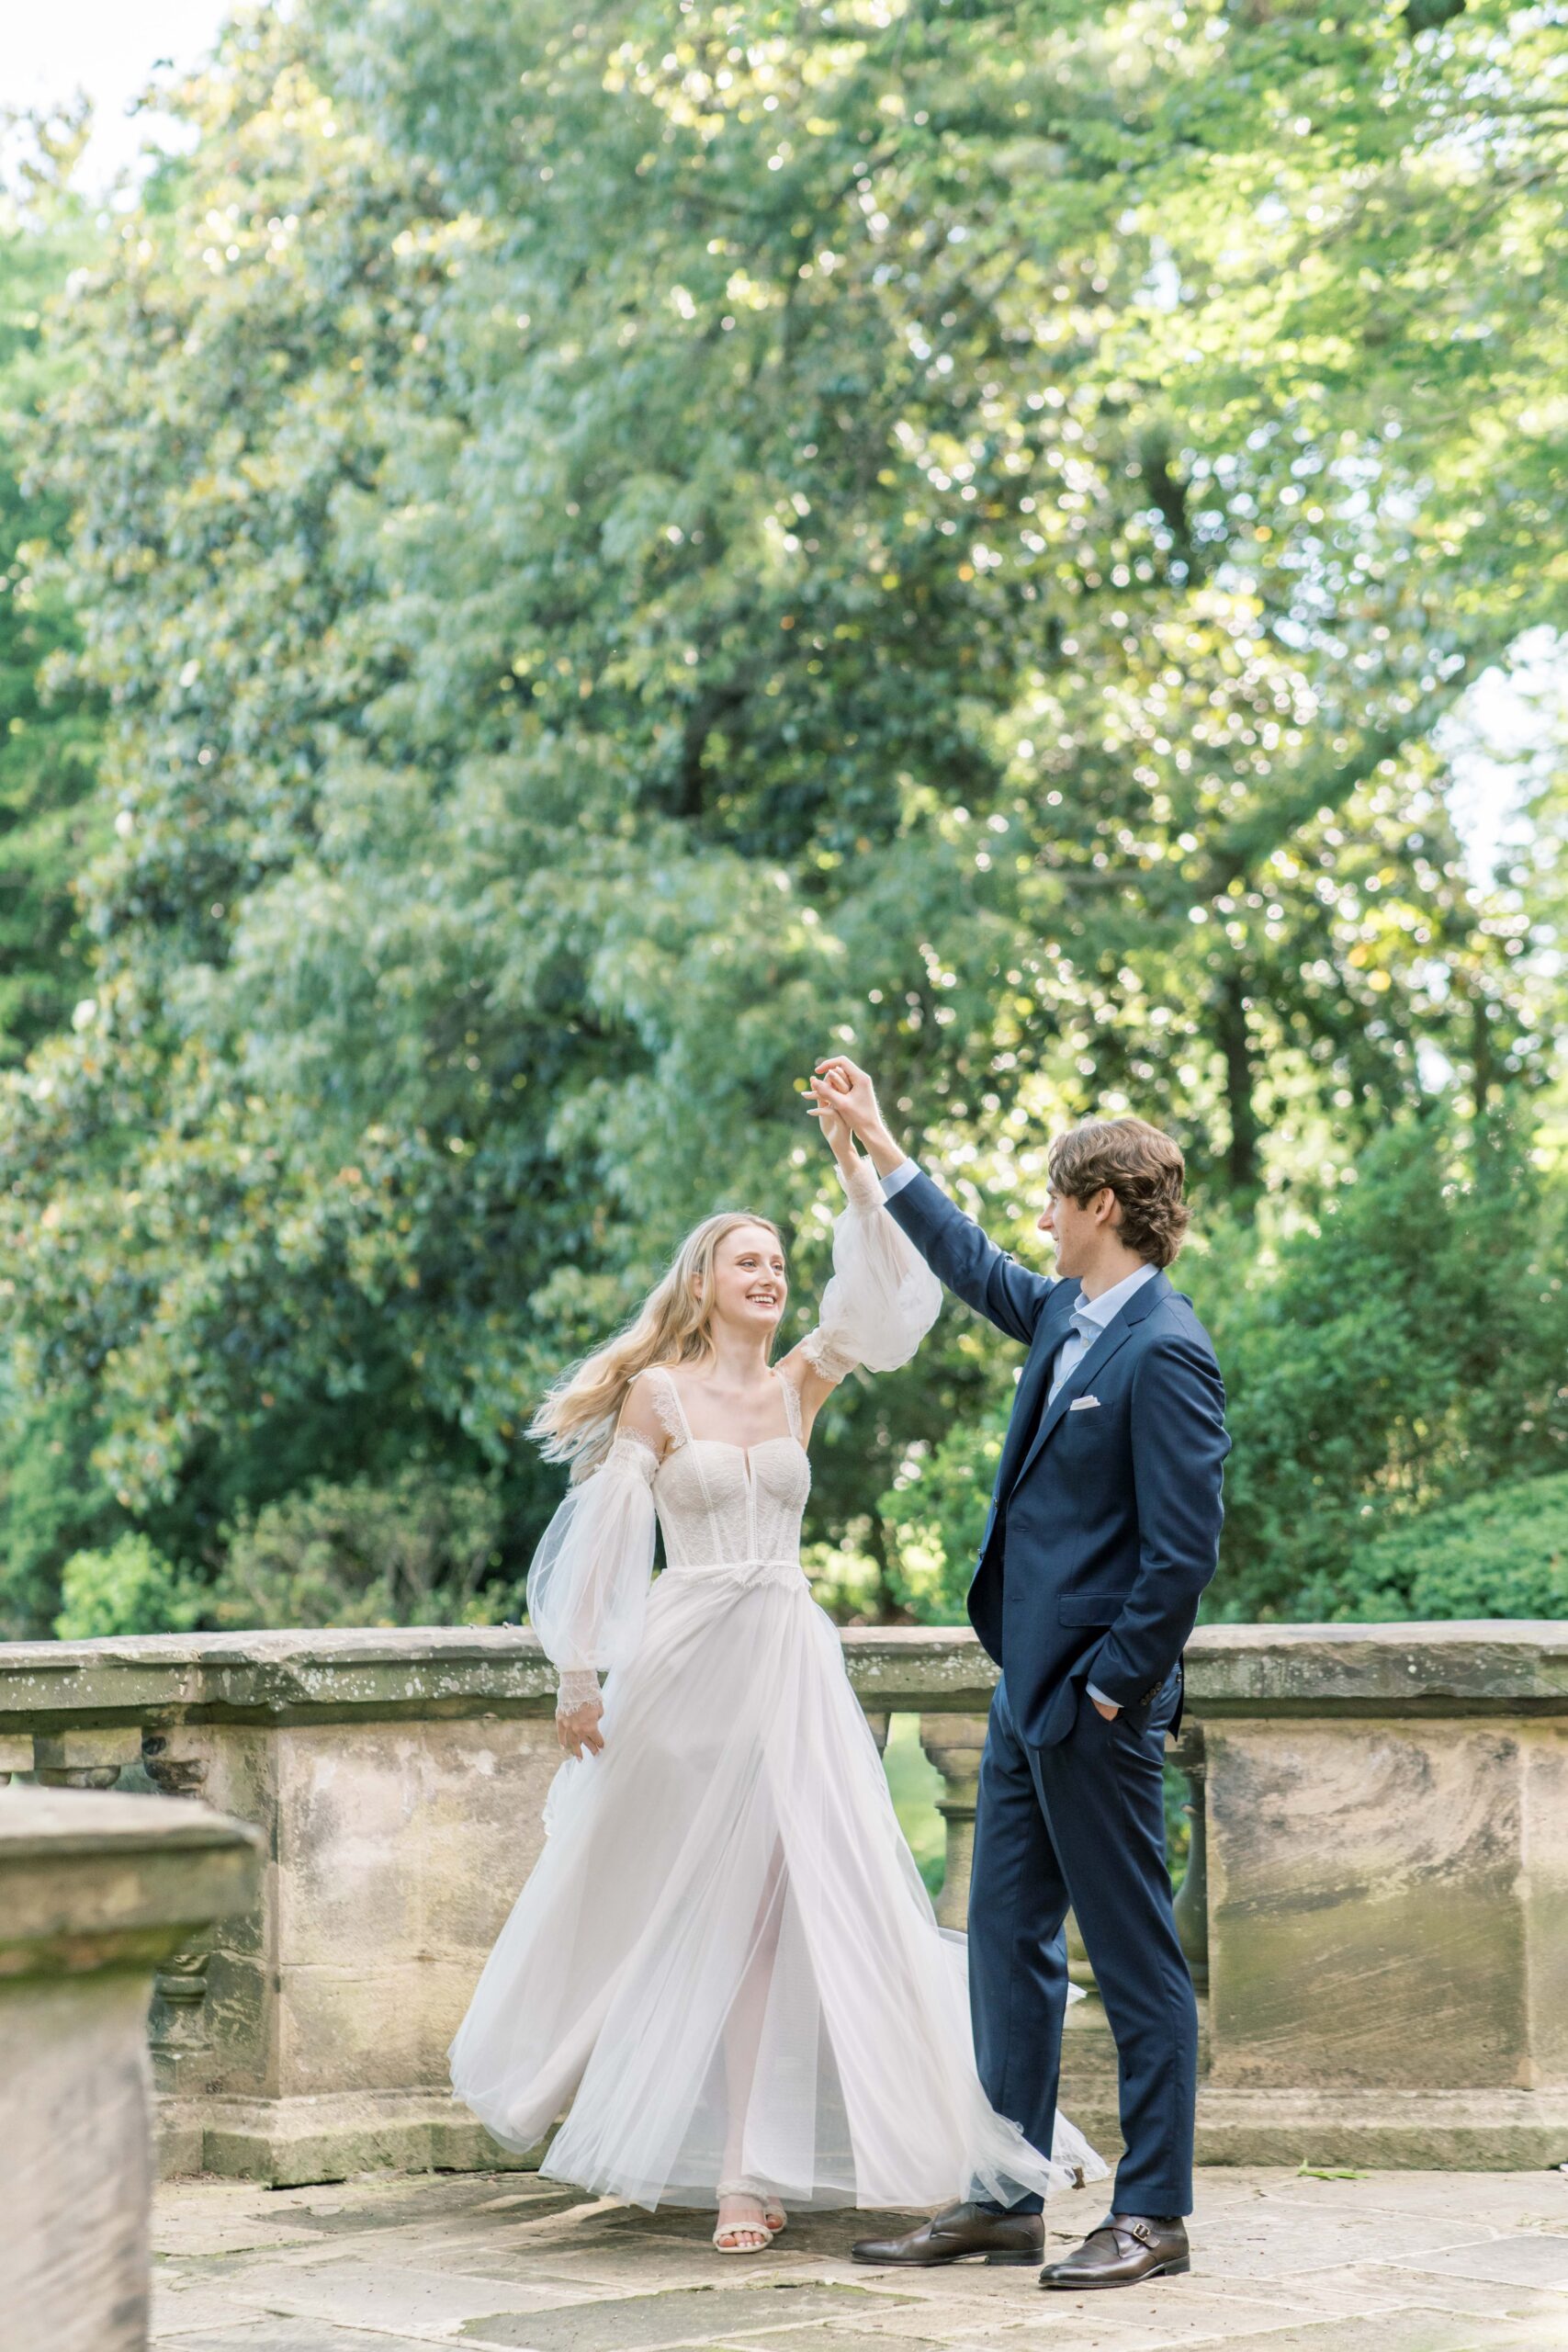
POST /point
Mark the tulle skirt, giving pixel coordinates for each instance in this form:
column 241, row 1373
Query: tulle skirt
column 725, row 1964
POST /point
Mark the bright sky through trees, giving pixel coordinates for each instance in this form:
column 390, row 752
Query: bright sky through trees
column 109, row 49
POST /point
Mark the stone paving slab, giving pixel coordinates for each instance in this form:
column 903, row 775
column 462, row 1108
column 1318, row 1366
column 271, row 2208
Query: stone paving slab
column 294, row 2335
column 1512, row 2261
column 682, row 2316
column 1392, row 2262
column 357, row 2290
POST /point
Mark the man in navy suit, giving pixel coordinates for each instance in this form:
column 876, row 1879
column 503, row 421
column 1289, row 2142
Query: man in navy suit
column 1104, row 1530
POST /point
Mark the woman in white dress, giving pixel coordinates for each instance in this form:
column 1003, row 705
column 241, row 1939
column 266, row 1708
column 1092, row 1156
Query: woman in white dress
column 725, row 1964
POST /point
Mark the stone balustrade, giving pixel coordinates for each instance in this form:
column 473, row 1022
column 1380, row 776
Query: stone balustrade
column 1377, row 1899
column 96, row 1893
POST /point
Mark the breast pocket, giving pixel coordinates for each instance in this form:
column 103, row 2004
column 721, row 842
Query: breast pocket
column 1092, row 1432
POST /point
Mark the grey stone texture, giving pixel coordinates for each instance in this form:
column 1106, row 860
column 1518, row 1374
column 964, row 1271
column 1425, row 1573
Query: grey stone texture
column 1420, row 2262
column 95, row 1890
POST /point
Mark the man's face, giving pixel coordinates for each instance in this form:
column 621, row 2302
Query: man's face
column 1075, row 1231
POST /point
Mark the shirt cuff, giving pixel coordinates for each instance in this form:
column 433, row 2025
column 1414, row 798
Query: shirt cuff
column 1104, row 1697
column 905, row 1173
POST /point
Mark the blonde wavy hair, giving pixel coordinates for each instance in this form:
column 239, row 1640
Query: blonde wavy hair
column 577, row 1419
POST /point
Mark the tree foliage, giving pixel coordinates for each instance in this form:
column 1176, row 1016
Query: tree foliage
column 1500, row 1553
column 623, row 549
column 50, row 720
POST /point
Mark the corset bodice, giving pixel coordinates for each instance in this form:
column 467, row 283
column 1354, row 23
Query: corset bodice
column 723, row 1506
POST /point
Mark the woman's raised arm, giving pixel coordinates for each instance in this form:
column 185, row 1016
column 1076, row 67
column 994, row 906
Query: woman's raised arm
column 880, row 1299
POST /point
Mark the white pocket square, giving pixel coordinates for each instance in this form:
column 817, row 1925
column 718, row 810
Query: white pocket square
column 1084, row 1405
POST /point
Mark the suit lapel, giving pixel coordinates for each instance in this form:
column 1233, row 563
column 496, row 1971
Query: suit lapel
column 1031, row 1387
column 1080, row 1380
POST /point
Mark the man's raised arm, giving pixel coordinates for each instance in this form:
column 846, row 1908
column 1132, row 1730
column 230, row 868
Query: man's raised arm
column 951, row 1244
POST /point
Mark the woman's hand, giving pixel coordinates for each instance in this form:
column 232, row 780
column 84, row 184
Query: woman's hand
column 578, row 1728
column 834, row 1125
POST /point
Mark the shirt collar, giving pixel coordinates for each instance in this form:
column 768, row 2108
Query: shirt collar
column 1103, row 1310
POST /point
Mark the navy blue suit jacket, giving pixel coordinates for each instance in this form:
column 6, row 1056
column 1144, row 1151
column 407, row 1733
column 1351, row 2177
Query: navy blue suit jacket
column 1104, row 1525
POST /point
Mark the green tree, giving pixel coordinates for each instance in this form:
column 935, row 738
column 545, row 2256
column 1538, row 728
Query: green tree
column 623, row 552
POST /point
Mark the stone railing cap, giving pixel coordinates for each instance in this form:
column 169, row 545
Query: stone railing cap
column 1465, row 1665
column 301, row 1676
column 92, row 1881
column 88, row 1821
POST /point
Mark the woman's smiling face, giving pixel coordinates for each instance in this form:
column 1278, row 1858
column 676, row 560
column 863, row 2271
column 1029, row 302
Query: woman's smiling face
column 750, row 1283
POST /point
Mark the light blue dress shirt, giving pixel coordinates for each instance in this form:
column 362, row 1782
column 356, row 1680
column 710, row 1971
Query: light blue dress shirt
column 1091, row 1317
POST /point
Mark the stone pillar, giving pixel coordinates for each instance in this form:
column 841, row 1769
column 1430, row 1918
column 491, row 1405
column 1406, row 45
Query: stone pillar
column 94, row 1890
column 953, row 1744
column 1388, row 1894
column 309, row 2037
column 16, row 1754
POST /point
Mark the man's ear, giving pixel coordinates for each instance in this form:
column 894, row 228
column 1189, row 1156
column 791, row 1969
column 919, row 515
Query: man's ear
column 1107, row 1207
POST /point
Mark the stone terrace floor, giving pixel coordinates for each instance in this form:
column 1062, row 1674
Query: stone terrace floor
column 1388, row 2262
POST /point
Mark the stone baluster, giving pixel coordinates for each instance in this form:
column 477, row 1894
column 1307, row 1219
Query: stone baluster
column 177, row 2026
column 953, row 1744
column 1192, row 1895
column 87, row 1756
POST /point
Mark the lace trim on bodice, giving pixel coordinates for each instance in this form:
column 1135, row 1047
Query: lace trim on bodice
column 665, row 1398
column 664, row 1395
column 791, row 1404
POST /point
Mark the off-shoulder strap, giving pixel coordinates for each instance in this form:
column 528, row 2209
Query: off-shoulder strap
column 665, row 1395
column 791, row 1403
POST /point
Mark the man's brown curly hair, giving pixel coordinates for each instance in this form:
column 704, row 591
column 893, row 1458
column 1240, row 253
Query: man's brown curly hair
column 1144, row 1169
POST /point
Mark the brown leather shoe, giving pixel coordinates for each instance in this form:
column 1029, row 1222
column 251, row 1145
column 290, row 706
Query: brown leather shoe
column 1124, row 2250
column 960, row 2234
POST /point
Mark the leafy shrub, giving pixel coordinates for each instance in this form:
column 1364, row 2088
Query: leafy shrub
column 415, row 1551
column 129, row 1588
column 1503, row 1553
column 1402, row 1353
column 936, row 1513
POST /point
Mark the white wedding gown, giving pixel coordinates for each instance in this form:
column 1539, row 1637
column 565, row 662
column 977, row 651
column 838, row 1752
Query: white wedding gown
column 725, row 1965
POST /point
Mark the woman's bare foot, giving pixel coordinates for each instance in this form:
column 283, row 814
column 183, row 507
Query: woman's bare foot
column 741, row 2227
column 773, row 2214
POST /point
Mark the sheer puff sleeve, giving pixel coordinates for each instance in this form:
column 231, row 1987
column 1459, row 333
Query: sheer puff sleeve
column 588, row 1585
column 882, row 1298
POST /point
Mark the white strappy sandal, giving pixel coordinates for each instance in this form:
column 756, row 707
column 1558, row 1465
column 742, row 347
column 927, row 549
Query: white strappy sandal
column 761, row 2229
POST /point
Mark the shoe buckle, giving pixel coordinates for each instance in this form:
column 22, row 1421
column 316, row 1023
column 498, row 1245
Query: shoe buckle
column 1140, row 2230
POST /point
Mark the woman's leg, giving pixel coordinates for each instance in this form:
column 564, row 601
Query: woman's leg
column 743, row 2043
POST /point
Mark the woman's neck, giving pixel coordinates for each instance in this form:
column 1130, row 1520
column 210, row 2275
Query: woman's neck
column 735, row 1359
